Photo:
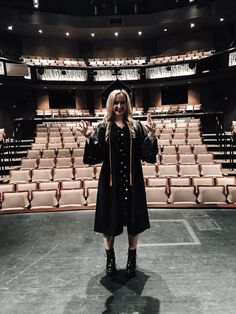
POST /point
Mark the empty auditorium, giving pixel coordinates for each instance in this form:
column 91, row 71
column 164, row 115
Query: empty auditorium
column 117, row 157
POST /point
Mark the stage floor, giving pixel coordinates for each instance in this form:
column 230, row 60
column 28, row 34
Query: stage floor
column 53, row 263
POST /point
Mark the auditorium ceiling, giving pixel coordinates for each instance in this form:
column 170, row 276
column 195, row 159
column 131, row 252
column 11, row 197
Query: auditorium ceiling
column 80, row 18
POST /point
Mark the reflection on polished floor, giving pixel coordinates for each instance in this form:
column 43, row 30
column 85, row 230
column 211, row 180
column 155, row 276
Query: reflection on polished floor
column 54, row 263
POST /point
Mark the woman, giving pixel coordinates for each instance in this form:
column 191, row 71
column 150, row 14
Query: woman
column 120, row 143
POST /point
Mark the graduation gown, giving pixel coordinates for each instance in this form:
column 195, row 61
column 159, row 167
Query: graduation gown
column 121, row 198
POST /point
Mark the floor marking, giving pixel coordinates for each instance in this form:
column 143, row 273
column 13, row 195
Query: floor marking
column 207, row 224
column 191, row 213
column 189, row 229
column 42, row 257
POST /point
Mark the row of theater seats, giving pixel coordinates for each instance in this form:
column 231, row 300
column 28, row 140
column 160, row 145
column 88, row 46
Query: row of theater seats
column 156, row 196
column 167, row 109
column 61, row 113
column 82, row 172
column 52, row 161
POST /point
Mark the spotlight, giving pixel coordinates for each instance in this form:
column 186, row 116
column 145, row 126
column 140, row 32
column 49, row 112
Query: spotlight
column 116, row 34
column 222, row 19
column 192, row 25
column 36, row 4
column 165, row 29
column 67, row 34
column 92, row 34
column 10, row 28
column 139, row 33
column 40, row 31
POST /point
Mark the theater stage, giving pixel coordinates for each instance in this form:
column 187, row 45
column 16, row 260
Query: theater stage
column 53, row 263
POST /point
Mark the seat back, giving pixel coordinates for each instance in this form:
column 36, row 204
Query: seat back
column 15, row 200
column 44, row 199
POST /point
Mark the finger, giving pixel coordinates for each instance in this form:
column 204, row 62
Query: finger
column 149, row 119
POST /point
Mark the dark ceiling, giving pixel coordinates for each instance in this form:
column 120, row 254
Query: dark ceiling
column 100, row 7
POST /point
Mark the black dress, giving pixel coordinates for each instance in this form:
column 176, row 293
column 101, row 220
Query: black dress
column 121, row 199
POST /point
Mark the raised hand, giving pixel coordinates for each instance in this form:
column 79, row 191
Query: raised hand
column 83, row 128
column 151, row 125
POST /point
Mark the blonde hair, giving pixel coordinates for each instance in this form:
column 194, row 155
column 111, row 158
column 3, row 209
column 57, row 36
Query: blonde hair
column 110, row 116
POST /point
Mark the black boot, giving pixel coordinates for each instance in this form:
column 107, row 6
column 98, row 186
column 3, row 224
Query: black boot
column 131, row 263
column 111, row 262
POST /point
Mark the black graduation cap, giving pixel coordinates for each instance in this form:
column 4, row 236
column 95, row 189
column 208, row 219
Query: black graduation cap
column 117, row 84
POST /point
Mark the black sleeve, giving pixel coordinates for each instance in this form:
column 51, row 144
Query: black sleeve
column 149, row 148
column 94, row 148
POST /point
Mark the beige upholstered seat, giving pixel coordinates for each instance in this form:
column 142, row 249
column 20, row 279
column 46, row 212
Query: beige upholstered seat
column 89, row 184
column 63, row 162
column 28, row 186
column 187, row 159
column 41, row 140
column 78, row 161
column 33, row 153
column 29, row 163
column 206, row 158
column 45, row 163
column 10, row 187
column 35, row 146
column 17, row 176
column 70, row 145
column 211, row 194
column 63, row 174
column 73, row 184
column 149, row 171
column 84, row 173
column 156, row 195
column 180, row 181
column 225, row 181
column 157, row 181
column 51, row 185
column 78, row 152
column 178, row 141
column 194, row 141
column 63, row 152
column 189, row 170
column 54, row 145
column 231, row 194
column 167, row 159
column 39, row 175
column 44, row 199
column 211, row 170
column 167, row 171
column 92, row 196
column 184, row 149
column 200, row 149
column 72, row 197
column 182, row 195
column 15, row 200
column 203, row 181
column 48, row 153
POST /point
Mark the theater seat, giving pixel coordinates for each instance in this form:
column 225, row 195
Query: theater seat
column 72, row 197
column 44, row 199
column 211, row 194
column 17, row 176
column 211, row 170
column 92, row 196
column 156, row 195
column 15, row 200
column 231, row 194
column 182, row 195
column 10, row 187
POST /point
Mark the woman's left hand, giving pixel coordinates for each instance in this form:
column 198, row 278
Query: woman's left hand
column 151, row 125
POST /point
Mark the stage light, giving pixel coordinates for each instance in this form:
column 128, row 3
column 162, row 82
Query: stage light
column 165, row 29
column 192, row 25
column 36, row 4
column 222, row 19
column 67, row 34
column 92, row 34
column 40, row 31
column 10, row 28
column 139, row 33
column 116, row 34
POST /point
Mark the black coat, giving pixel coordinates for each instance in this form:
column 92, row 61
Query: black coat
column 110, row 209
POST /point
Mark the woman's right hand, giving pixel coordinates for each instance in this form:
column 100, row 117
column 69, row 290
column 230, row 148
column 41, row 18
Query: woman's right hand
column 83, row 128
